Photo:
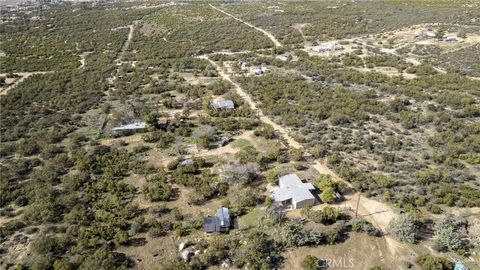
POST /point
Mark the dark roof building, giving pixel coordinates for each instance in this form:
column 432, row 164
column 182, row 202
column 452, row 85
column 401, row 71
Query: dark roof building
column 218, row 223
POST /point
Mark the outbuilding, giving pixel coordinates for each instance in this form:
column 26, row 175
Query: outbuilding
column 450, row 38
column 223, row 105
column 130, row 128
column 218, row 223
column 258, row 70
column 327, row 47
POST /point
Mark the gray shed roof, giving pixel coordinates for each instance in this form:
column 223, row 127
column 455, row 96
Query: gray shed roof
column 218, row 223
column 132, row 126
column 291, row 187
column 224, row 104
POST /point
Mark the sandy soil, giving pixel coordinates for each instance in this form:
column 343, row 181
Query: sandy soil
column 359, row 251
column 82, row 59
column 389, row 71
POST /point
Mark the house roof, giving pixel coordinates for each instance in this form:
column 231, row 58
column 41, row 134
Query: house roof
column 224, row 104
column 291, row 187
column 132, row 126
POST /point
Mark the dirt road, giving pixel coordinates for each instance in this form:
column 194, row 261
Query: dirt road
column 23, row 77
column 269, row 35
column 281, row 130
column 125, row 46
column 378, row 213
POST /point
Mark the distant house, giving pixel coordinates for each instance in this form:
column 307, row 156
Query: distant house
column 223, row 105
column 186, row 162
column 130, row 128
column 450, row 38
column 218, row 223
column 328, row 47
column 292, row 191
column 429, row 33
column 258, row 70
column 281, row 57
column 243, row 64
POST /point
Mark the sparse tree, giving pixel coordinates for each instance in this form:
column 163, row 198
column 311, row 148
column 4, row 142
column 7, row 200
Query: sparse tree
column 240, row 173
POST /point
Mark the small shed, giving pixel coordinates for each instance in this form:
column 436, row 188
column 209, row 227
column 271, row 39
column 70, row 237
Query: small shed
column 223, row 105
column 130, row 128
column 327, row 47
column 450, row 38
column 258, row 70
column 429, row 33
column 282, row 57
column 218, row 223
column 186, row 162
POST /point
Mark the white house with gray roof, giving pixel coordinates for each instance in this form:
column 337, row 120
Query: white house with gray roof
column 292, row 191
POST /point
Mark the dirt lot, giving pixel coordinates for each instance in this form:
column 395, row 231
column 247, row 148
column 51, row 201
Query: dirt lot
column 360, row 251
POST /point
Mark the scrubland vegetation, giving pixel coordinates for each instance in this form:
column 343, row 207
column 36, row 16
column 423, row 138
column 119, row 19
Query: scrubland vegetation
column 76, row 195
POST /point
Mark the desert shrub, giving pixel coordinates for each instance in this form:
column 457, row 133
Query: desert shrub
column 433, row 208
column 295, row 235
column 104, row 259
column 158, row 189
column 328, row 195
column 447, row 235
column 327, row 215
column 310, row 262
column 403, row 228
column 240, row 173
column 259, row 251
column 266, row 131
column 429, row 262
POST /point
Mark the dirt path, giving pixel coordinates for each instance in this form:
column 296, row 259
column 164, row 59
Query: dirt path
column 378, row 213
column 283, row 131
column 23, row 77
column 367, row 207
column 82, row 59
column 125, row 46
column 269, row 35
